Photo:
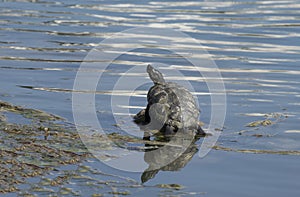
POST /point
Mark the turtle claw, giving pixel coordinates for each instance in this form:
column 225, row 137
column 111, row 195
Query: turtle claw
column 200, row 131
column 139, row 118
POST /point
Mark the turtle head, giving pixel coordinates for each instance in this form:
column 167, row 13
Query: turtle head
column 155, row 75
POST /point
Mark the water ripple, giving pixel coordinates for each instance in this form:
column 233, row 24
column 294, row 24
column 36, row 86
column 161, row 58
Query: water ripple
column 254, row 43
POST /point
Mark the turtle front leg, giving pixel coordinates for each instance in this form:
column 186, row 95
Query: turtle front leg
column 139, row 118
column 200, row 131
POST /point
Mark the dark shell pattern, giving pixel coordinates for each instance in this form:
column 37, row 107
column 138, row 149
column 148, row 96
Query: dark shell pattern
column 171, row 107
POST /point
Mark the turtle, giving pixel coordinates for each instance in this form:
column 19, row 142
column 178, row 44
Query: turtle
column 171, row 107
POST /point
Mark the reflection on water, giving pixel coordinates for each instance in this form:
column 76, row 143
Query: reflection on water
column 157, row 156
column 254, row 43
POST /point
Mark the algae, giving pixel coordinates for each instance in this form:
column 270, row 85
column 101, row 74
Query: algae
column 170, row 186
column 41, row 147
column 34, row 149
column 47, row 142
column 258, row 151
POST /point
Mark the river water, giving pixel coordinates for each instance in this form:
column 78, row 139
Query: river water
column 254, row 44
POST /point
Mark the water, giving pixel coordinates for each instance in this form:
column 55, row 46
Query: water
column 255, row 44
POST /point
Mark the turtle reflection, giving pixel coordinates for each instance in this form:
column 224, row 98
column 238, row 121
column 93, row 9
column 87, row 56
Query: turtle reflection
column 173, row 156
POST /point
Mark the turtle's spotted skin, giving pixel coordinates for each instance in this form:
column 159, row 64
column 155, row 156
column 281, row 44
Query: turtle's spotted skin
column 170, row 108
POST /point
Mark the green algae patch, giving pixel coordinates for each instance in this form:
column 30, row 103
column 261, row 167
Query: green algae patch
column 115, row 192
column 270, row 119
column 29, row 113
column 260, row 123
column 41, row 144
column 257, row 151
column 170, row 186
column 31, row 150
column 260, row 137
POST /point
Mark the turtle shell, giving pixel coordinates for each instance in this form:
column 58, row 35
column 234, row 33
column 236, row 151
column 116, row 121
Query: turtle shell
column 171, row 107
